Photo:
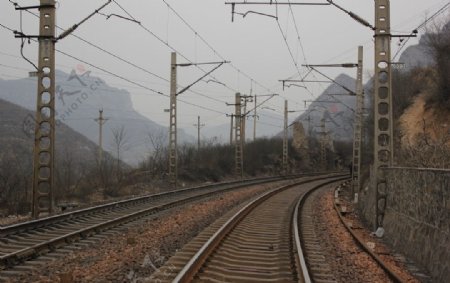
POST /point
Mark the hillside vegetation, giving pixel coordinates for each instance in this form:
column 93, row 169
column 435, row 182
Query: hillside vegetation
column 423, row 107
column 75, row 159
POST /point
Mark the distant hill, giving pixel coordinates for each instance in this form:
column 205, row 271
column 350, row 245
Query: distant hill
column 336, row 109
column 417, row 55
column 75, row 158
column 17, row 135
column 420, row 55
column 79, row 96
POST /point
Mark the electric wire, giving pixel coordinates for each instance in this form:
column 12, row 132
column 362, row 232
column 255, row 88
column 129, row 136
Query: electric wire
column 174, row 49
column 291, row 53
column 137, row 84
column 126, row 79
column 212, row 48
column 162, row 41
column 124, row 60
column 166, row 43
column 437, row 13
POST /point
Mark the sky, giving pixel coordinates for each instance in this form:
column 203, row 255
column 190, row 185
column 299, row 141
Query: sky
column 262, row 49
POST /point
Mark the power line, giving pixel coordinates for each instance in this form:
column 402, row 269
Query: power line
column 135, row 83
column 124, row 60
column 289, row 48
column 441, row 10
column 5, row 27
column 175, row 50
column 165, row 42
column 126, row 79
column 213, row 49
column 298, row 33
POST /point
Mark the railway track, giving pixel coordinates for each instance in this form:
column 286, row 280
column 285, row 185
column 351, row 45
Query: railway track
column 258, row 243
column 360, row 242
column 33, row 240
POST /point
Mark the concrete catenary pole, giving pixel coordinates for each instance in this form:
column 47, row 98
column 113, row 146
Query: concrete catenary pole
column 44, row 141
column 357, row 134
column 101, row 121
column 231, row 129
column 285, row 139
column 199, row 126
column 173, row 166
column 239, row 158
column 383, row 127
column 323, row 149
column 255, row 117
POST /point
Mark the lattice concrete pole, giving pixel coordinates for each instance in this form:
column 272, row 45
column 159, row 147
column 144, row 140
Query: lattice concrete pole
column 198, row 132
column 238, row 138
column 173, row 166
column 44, row 142
column 285, row 139
column 356, row 177
column 383, row 139
column 244, row 119
column 231, row 129
column 100, row 120
column 255, row 117
column 323, row 149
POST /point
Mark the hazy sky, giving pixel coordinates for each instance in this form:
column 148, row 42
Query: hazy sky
column 253, row 44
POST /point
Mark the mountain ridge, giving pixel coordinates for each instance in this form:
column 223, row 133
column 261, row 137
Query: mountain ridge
column 79, row 97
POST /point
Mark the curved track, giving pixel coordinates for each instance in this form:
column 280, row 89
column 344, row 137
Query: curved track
column 33, row 239
column 316, row 258
column 256, row 244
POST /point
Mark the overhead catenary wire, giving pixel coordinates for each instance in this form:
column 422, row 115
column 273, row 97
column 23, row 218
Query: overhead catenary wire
column 198, row 35
column 149, row 72
column 212, row 48
column 126, row 79
column 126, row 61
column 166, row 43
column 423, row 24
column 174, row 49
column 298, row 32
column 137, row 84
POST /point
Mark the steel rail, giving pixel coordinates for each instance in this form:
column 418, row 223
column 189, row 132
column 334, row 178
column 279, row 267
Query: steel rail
column 298, row 241
column 300, row 255
column 13, row 258
column 42, row 222
column 189, row 271
column 391, row 274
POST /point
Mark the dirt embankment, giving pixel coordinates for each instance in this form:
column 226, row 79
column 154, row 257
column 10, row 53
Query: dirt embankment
column 421, row 123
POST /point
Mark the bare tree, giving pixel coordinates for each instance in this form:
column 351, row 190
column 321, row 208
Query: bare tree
column 15, row 183
column 158, row 160
column 121, row 144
